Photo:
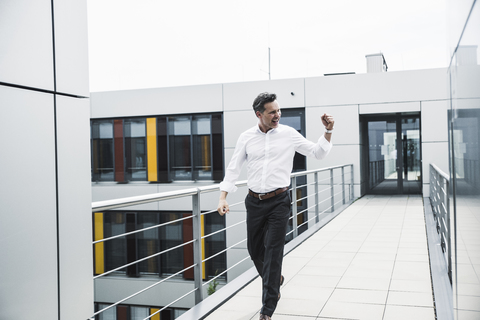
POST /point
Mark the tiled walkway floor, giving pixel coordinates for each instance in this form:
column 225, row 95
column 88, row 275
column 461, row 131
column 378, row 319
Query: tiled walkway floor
column 370, row 262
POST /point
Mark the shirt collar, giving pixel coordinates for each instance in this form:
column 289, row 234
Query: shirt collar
column 272, row 130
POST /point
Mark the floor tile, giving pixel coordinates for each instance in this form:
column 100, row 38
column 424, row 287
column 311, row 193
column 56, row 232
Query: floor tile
column 345, row 310
column 401, row 298
column 404, row 312
column 359, row 296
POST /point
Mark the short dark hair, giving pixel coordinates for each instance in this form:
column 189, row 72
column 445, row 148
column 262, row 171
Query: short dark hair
column 262, row 99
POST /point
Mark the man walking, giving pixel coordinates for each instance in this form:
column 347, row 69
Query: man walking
column 268, row 149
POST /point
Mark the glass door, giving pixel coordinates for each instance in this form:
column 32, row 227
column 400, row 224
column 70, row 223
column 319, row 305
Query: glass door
column 394, row 157
column 412, row 164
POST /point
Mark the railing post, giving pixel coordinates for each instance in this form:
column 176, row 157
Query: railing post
column 351, row 185
column 343, row 184
column 317, row 209
column 332, row 191
column 294, row 207
column 197, row 247
column 449, row 233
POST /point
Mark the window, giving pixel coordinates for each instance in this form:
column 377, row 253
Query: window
column 195, row 147
column 102, row 150
column 158, row 149
column 135, row 151
column 127, row 249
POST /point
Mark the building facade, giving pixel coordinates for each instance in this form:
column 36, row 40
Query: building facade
column 389, row 125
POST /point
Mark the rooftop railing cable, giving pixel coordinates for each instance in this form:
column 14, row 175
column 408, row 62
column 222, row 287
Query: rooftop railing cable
column 341, row 192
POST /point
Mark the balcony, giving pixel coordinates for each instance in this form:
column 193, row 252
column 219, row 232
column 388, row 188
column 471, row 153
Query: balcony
column 368, row 258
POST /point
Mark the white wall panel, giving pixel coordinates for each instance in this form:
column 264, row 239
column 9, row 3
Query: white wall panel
column 71, row 47
column 26, row 57
column 382, row 87
column 74, row 199
column 434, row 121
column 346, row 123
column 148, row 102
column 236, row 122
column 389, row 107
column 28, row 244
column 240, row 96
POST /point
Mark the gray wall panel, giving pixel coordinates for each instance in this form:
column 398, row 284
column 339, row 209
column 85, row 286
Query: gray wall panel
column 74, row 198
column 26, row 57
column 71, row 47
column 28, row 241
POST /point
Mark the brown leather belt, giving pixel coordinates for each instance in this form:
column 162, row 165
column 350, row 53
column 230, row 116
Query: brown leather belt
column 264, row 196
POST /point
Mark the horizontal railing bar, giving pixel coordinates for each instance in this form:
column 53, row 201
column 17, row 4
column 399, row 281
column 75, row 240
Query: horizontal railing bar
column 224, row 250
column 301, row 173
column 222, row 230
column 136, row 200
column 443, row 174
column 141, row 230
column 143, row 259
column 125, row 202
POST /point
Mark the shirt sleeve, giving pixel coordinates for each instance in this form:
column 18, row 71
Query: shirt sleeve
column 306, row 147
column 234, row 167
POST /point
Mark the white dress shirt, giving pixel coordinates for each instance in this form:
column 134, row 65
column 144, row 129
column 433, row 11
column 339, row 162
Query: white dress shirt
column 269, row 157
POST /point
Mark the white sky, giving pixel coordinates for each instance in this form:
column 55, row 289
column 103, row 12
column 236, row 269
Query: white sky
column 159, row 43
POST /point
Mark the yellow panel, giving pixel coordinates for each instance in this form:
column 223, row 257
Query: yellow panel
column 206, row 152
column 155, row 317
column 202, row 223
column 152, row 149
column 99, row 251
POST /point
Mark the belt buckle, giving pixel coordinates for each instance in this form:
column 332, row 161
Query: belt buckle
column 260, row 195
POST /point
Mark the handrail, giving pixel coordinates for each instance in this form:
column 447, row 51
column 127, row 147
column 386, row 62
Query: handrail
column 440, row 201
column 333, row 183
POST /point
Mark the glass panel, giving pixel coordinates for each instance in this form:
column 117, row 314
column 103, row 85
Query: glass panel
column 180, row 148
column 215, row 244
column 148, row 242
column 217, row 147
column 411, row 156
column 135, row 151
column 171, row 236
column 102, row 150
column 382, row 156
column 202, row 147
column 116, row 249
column 110, row 314
column 139, row 313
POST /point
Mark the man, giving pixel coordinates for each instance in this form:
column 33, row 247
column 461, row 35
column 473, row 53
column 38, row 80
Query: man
column 269, row 148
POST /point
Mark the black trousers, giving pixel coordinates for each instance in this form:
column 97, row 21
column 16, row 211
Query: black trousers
column 266, row 228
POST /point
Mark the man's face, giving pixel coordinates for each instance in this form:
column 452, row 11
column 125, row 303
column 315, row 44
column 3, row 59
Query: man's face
column 269, row 118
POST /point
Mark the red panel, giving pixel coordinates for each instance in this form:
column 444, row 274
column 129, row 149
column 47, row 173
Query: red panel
column 122, row 312
column 119, row 158
column 188, row 249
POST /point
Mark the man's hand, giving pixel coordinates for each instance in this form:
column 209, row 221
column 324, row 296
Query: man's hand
column 328, row 121
column 222, row 207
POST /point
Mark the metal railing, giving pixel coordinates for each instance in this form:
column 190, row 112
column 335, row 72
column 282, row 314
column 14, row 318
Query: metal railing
column 439, row 198
column 328, row 188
